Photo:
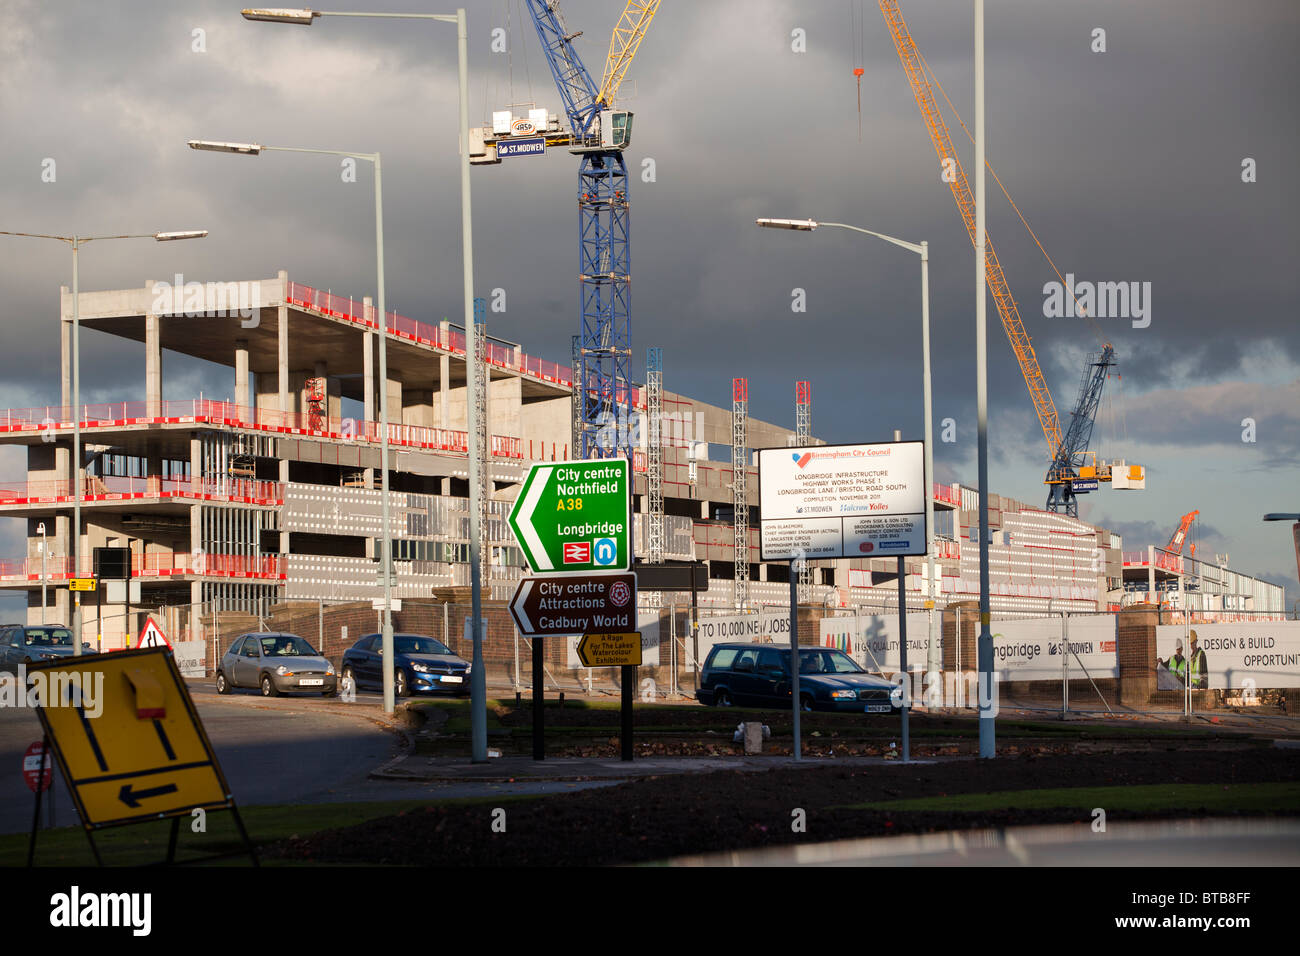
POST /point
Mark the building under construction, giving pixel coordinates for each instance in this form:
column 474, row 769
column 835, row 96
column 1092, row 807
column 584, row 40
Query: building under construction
column 270, row 494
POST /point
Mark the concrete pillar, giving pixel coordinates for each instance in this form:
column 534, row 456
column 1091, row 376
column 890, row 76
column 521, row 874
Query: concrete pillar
column 444, row 376
column 241, row 380
column 196, row 545
column 704, row 510
column 152, row 366
column 196, row 463
column 282, row 361
column 394, row 401
column 368, row 363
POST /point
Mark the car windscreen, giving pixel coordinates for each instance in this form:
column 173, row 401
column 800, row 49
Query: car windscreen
column 827, row 662
column 49, row 636
column 406, row 644
column 286, row 645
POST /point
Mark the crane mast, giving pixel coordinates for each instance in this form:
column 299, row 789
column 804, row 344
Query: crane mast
column 598, row 135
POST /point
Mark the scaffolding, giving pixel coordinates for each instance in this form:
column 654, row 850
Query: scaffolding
column 654, row 386
column 739, row 498
column 803, row 436
column 483, row 377
column 575, row 404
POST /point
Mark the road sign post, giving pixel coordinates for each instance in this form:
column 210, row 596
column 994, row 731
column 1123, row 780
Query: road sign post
column 573, row 523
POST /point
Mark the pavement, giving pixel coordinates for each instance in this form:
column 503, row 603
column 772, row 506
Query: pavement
column 515, row 768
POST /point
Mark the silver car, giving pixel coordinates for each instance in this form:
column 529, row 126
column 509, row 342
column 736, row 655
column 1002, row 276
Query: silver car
column 276, row 663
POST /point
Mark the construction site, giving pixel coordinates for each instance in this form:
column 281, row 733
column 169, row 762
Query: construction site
column 267, row 502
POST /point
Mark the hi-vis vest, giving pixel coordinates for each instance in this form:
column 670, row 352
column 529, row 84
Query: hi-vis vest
column 1177, row 666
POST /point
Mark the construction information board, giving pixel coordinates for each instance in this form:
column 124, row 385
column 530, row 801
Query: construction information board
column 842, row 501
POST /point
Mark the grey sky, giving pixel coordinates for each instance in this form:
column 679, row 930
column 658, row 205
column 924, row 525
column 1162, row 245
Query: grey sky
column 1126, row 163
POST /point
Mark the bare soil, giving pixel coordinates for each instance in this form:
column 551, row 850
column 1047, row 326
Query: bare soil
column 656, row 818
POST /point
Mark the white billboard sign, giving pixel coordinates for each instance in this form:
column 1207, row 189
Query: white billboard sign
column 842, row 501
column 1236, row 656
column 770, row 627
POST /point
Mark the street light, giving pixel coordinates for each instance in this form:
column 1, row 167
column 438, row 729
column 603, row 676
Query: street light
column 76, row 242
column 478, row 682
column 386, row 562
column 922, row 249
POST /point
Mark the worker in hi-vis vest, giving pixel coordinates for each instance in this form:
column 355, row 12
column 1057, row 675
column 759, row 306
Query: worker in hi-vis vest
column 1177, row 664
column 1197, row 668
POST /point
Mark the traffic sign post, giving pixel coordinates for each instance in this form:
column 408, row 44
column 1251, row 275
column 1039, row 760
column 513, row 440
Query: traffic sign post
column 573, row 523
column 574, row 517
column 590, row 604
column 129, row 741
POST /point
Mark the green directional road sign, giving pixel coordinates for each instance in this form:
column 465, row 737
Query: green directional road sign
column 574, row 517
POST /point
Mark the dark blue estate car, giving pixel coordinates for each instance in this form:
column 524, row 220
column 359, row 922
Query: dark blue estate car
column 758, row 675
column 420, row 665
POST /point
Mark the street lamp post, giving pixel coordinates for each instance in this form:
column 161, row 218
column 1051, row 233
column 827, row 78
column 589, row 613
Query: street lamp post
column 77, row 242
column 984, row 647
column 922, row 249
column 478, row 680
column 386, row 560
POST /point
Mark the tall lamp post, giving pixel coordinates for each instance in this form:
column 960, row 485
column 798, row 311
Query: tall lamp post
column 922, row 249
column 984, row 646
column 386, row 560
column 77, row 242
column 478, row 681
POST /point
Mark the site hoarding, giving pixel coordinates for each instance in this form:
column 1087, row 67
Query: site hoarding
column 1236, row 656
column 842, row 501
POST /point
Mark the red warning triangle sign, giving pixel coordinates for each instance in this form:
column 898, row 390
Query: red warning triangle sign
column 152, row 636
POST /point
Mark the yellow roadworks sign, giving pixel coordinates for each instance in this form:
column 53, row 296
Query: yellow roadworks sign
column 610, row 650
column 81, row 584
column 127, row 737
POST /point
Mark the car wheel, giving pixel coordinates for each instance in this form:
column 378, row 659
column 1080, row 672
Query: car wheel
column 722, row 699
column 399, row 682
column 222, row 686
column 805, row 703
column 268, row 687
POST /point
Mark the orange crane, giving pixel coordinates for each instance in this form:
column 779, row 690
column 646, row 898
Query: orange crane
column 914, row 66
column 1066, row 450
column 1175, row 545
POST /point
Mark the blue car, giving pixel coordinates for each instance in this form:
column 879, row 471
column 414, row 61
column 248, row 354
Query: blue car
column 421, row 665
column 758, row 675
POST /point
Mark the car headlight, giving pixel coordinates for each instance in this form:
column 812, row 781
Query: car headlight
column 284, row 671
column 420, row 668
column 329, row 670
column 468, row 668
column 844, row 694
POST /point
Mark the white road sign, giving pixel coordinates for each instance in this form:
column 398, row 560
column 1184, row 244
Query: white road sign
column 842, row 501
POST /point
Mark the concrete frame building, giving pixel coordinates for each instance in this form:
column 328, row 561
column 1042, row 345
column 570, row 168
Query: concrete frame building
column 271, row 494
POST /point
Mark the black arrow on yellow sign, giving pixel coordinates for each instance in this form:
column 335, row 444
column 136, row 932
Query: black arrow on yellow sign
column 132, row 798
